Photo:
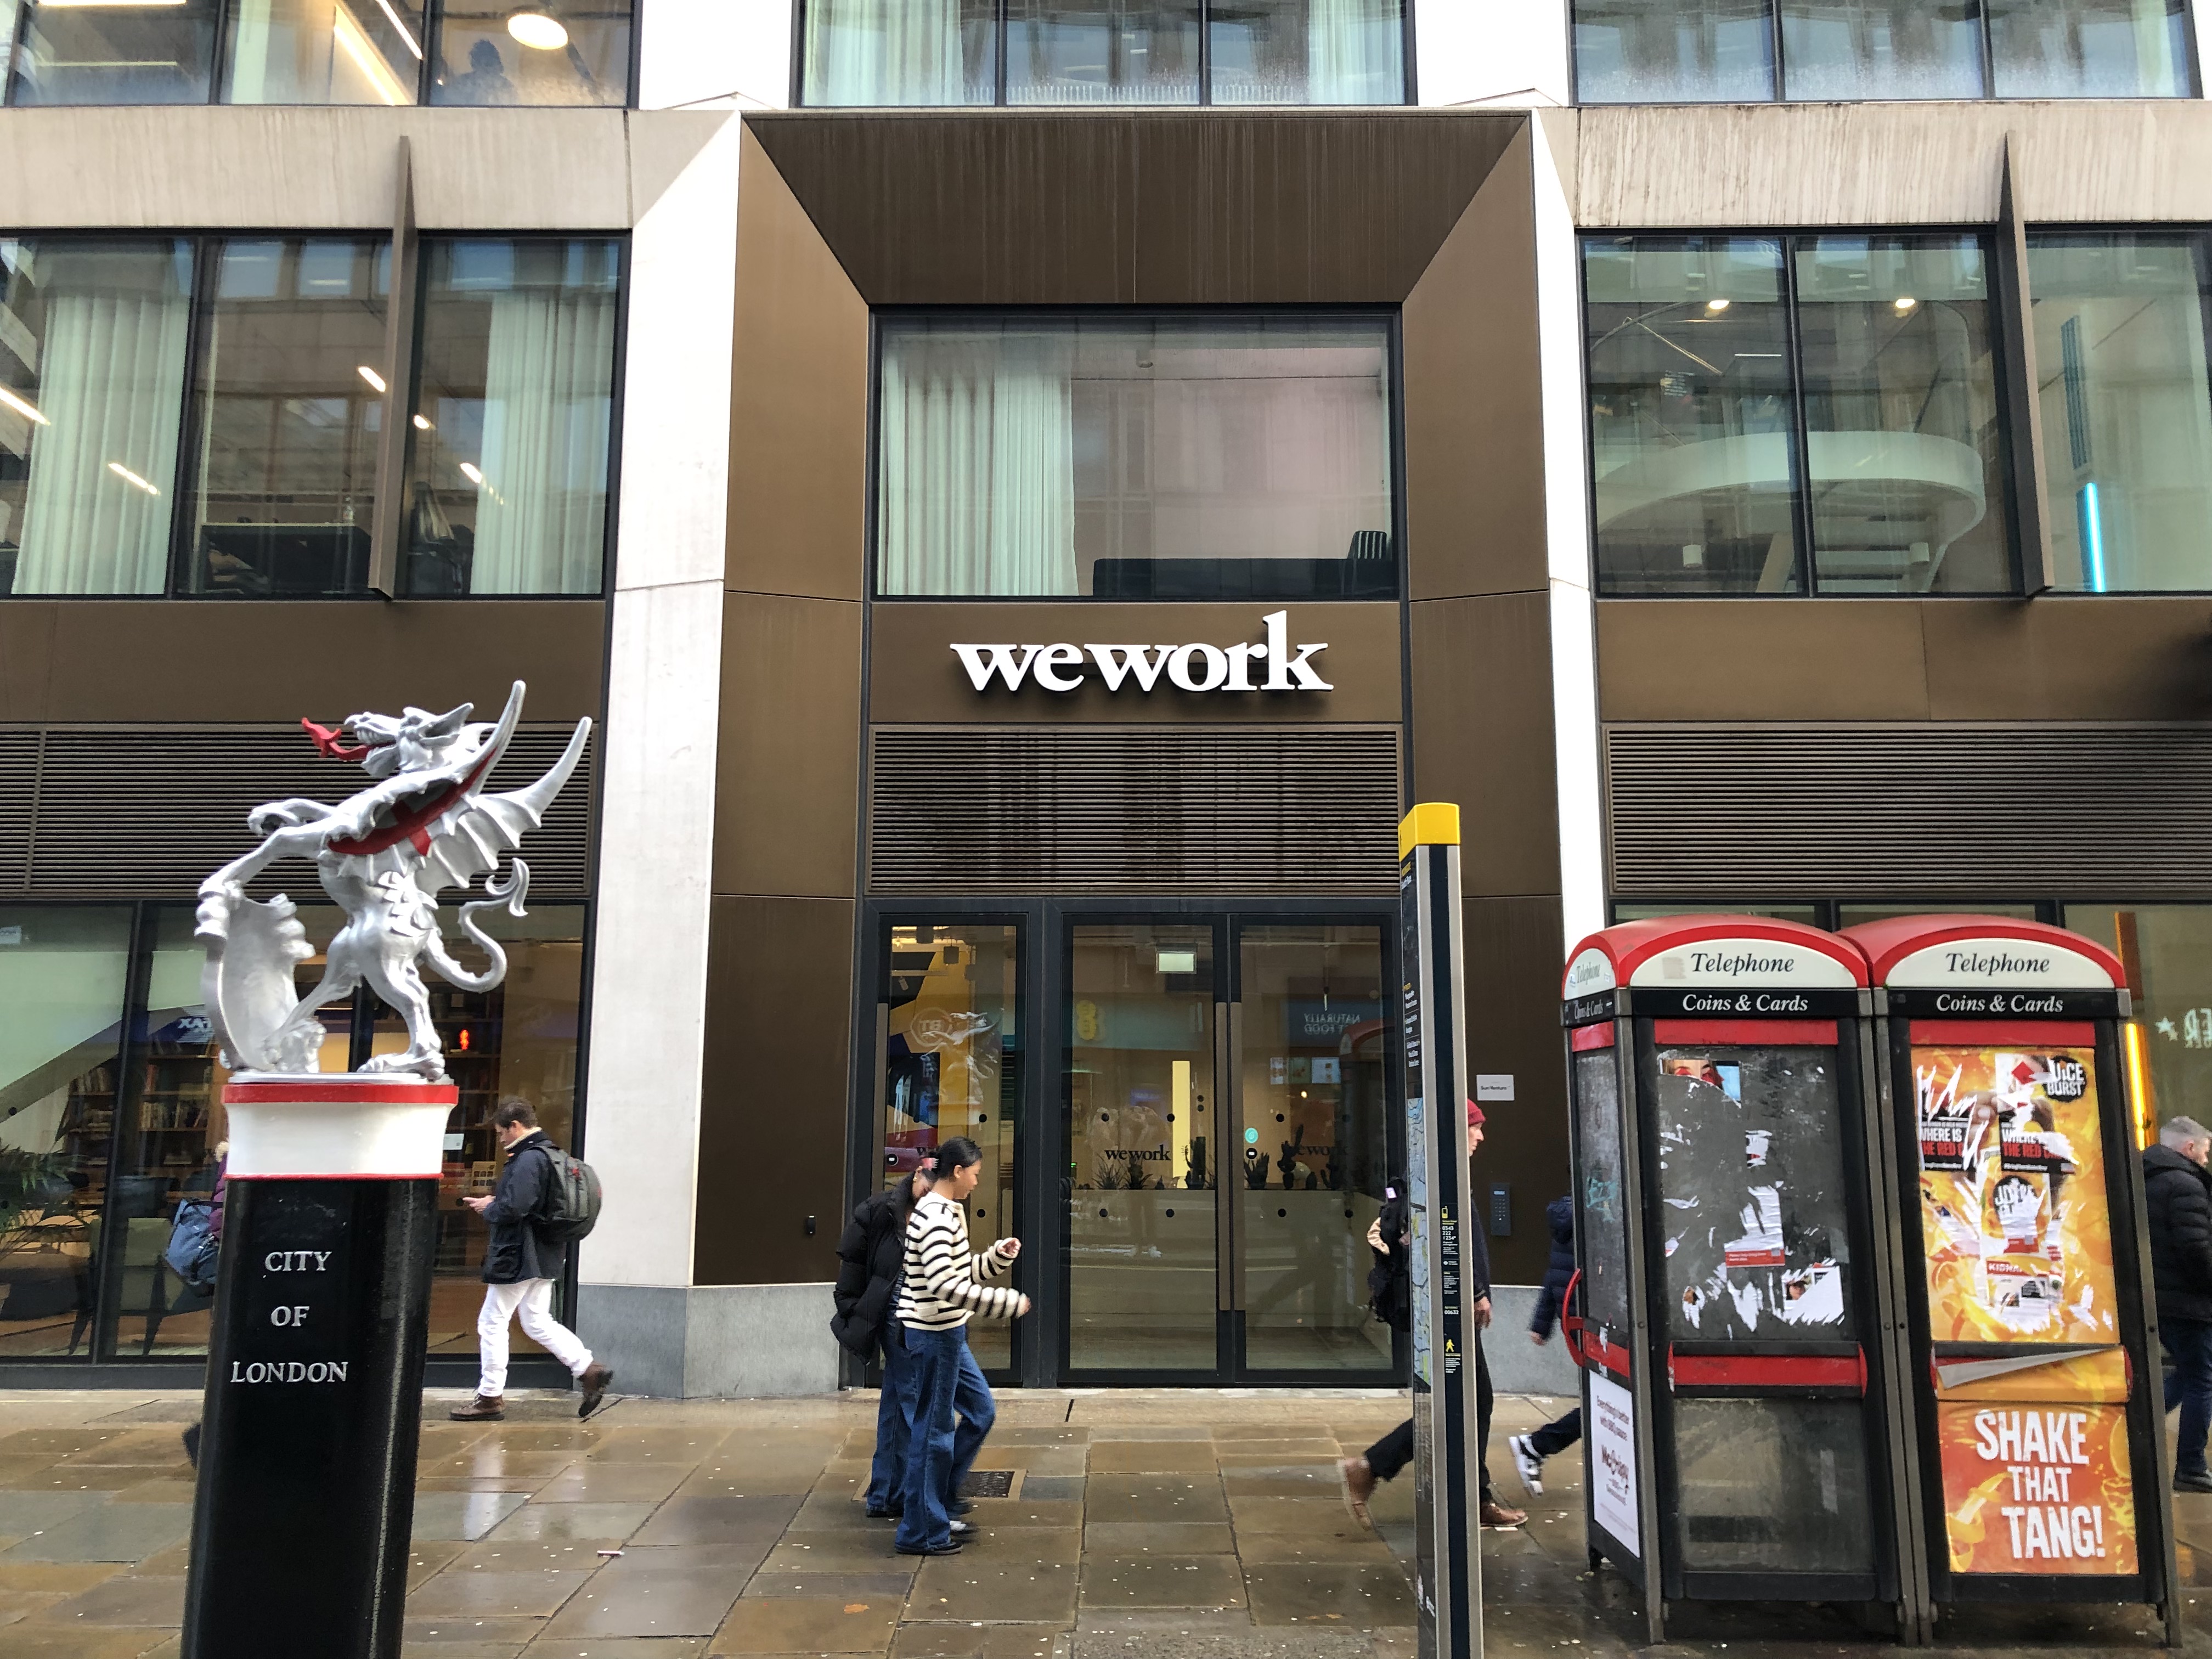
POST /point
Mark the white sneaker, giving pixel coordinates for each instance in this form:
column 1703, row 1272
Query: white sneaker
column 1527, row 1464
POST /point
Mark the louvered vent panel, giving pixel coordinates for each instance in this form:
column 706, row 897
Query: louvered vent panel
column 19, row 778
column 1078, row 810
column 139, row 813
column 1889, row 810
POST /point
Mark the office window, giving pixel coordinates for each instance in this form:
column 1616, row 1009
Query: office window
column 288, row 405
column 2167, row 1046
column 2119, row 322
column 513, row 403
column 318, row 51
column 1792, row 414
column 1136, row 457
column 93, row 337
column 1634, row 51
column 888, row 52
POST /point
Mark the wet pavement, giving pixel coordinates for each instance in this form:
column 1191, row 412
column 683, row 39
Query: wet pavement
column 1163, row 1523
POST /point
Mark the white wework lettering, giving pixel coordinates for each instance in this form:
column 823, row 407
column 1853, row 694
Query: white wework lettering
column 1045, row 666
column 1286, row 673
column 1117, row 663
column 1217, row 667
column 982, row 661
column 1240, row 659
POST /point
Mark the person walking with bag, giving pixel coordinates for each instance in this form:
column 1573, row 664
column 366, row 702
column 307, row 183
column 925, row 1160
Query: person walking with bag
column 521, row 1264
column 2178, row 1194
column 942, row 1290
column 870, row 1253
column 1529, row 1450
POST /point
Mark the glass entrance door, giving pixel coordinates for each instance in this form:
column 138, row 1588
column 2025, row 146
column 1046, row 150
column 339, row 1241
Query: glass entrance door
column 1229, row 1117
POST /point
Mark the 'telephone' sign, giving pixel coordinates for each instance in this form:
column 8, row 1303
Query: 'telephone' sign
column 1268, row 665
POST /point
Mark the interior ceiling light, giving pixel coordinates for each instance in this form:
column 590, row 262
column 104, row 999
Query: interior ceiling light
column 353, row 41
column 1904, row 302
column 422, row 425
column 471, row 473
column 23, row 406
column 130, row 477
column 536, row 30
column 372, row 377
column 405, row 33
column 1717, row 305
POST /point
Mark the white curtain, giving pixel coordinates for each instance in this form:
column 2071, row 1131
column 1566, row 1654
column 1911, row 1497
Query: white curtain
column 977, row 491
column 111, row 385
column 879, row 52
column 548, row 382
column 1353, row 49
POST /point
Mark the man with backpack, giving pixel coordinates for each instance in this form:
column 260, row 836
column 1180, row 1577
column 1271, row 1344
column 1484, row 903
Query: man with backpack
column 532, row 1218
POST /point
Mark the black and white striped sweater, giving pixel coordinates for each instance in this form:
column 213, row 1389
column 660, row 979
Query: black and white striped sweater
column 941, row 1288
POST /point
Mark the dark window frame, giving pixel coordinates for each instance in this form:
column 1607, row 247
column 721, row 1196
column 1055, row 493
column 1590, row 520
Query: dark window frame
column 999, row 25
column 2002, row 324
column 1394, row 416
column 433, row 44
column 2192, row 69
column 399, row 399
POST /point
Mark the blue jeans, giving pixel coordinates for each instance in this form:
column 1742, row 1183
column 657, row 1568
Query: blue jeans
column 940, row 1450
column 2188, row 1345
column 894, row 1421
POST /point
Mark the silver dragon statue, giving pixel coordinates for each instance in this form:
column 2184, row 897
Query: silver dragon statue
column 383, row 854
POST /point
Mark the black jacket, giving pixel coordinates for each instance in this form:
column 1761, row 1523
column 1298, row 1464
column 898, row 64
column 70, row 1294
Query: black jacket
column 2180, row 1200
column 869, row 1255
column 516, row 1252
column 1390, row 1285
column 1550, row 1300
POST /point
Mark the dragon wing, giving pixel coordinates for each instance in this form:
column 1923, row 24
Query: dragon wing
column 469, row 838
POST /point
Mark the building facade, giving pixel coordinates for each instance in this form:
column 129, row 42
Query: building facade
column 1029, row 492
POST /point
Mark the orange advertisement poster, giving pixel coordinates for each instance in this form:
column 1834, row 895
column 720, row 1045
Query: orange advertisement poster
column 2037, row 1489
column 2013, row 1210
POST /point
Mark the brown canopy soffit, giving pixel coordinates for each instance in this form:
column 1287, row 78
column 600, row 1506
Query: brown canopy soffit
column 1213, row 207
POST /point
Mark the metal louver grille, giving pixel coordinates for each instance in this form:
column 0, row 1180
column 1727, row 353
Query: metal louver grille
column 148, row 812
column 1158, row 810
column 1877, row 811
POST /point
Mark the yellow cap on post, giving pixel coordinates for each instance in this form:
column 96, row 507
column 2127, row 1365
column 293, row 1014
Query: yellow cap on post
column 1432, row 824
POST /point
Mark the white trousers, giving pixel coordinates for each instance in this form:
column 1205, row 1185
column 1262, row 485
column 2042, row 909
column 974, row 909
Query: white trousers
column 533, row 1299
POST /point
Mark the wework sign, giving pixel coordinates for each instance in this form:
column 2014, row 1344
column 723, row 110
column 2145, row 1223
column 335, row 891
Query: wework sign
column 1269, row 665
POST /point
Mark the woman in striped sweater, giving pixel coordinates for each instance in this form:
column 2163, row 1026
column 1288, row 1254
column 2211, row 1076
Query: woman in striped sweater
column 941, row 1289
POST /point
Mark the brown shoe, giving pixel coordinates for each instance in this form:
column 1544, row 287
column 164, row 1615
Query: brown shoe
column 593, row 1382
column 1359, row 1480
column 1495, row 1514
column 484, row 1408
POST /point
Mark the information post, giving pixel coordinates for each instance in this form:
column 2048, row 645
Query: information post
column 1447, row 1562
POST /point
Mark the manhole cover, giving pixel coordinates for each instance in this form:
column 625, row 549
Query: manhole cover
column 988, row 1483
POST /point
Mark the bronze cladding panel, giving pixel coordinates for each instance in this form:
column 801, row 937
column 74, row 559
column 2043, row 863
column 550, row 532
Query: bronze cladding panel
column 272, row 660
column 1474, row 448
column 2048, row 659
column 914, row 678
column 787, row 773
column 1514, row 950
column 1483, row 734
column 799, row 408
column 779, row 1010
column 1215, row 207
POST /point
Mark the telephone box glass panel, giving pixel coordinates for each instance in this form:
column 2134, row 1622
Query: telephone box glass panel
column 1773, row 1486
column 1605, row 1216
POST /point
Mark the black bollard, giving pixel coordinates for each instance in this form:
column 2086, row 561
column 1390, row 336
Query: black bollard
column 304, row 1509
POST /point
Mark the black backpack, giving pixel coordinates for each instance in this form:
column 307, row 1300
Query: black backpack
column 571, row 1208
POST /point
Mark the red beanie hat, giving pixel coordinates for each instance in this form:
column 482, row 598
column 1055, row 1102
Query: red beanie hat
column 1473, row 1115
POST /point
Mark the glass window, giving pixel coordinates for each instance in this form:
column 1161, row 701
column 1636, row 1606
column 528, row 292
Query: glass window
column 1604, row 1210
column 1101, row 51
column 323, row 51
column 2168, row 1045
column 62, row 978
column 2127, row 409
column 1773, row 1486
column 2089, row 48
column 1855, row 50
column 1693, row 419
column 552, row 51
column 1696, row 52
column 1307, row 51
column 1136, row 457
column 287, row 407
column 894, row 52
column 93, row 337
column 952, row 1065
column 1907, row 492
column 68, row 53
column 513, row 408
column 1808, row 914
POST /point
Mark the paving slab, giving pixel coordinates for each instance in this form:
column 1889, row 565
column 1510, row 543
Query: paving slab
column 106, row 1531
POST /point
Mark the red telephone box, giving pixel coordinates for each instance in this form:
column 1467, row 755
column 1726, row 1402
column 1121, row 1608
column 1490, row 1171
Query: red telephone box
column 1741, row 1415
column 2025, row 1264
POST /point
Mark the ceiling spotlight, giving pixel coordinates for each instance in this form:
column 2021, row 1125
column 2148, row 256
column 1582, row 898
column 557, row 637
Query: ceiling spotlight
column 1904, row 302
column 536, row 30
column 471, row 473
column 1717, row 305
column 422, row 425
column 371, row 376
